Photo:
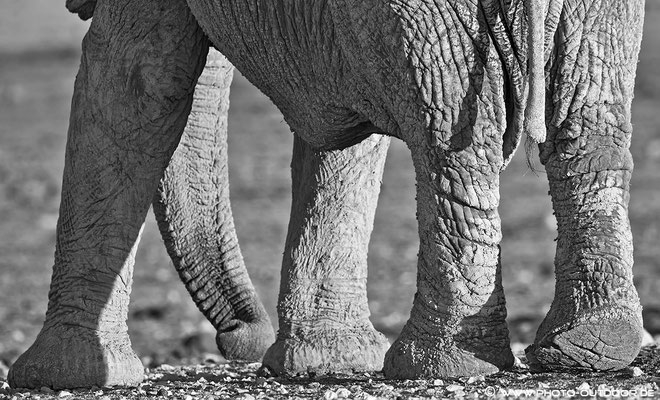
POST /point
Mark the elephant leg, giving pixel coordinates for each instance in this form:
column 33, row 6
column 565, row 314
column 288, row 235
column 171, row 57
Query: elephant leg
column 132, row 96
column 595, row 319
column 323, row 311
column 457, row 324
column 193, row 211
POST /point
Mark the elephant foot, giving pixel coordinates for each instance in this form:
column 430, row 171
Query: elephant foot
column 248, row 341
column 603, row 339
column 417, row 354
column 67, row 357
column 328, row 351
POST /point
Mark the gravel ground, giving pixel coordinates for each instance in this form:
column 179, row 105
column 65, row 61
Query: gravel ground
column 213, row 379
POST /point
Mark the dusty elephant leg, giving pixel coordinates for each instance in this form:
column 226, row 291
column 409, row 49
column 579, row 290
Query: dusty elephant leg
column 457, row 324
column 323, row 312
column 140, row 63
column 194, row 215
column 595, row 319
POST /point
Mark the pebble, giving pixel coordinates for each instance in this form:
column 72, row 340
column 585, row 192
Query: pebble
column 343, row 393
column 329, row 395
column 583, row 386
column 636, row 371
column 454, row 388
column 166, row 367
column 64, row 393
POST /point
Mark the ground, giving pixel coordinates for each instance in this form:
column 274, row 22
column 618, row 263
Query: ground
column 37, row 68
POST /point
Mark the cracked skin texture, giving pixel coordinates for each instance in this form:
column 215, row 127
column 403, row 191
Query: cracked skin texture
column 438, row 76
column 445, row 77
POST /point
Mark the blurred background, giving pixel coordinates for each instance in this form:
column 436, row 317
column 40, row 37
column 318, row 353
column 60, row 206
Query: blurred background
column 39, row 55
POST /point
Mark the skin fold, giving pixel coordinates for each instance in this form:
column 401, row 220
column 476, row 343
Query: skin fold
column 447, row 77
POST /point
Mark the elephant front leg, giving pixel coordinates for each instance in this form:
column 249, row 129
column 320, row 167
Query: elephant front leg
column 323, row 311
column 139, row 66
column 595, row 319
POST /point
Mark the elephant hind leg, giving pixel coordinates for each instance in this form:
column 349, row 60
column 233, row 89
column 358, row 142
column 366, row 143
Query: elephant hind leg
column 194, row 215
column 457, row 325
column 595, row 319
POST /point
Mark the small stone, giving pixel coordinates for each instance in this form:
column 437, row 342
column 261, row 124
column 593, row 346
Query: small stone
column 64, row 393
column 475, row 379
column 636, row 371
column 314, row 385
column 166, row 367
column 343, row 393
column 244, row 396
column 4, row 386
column 162, row 392
column 438, row 382
column 583, row 387
column 46, row 389
column 454, row 388
column 329, row 395
column 187, row 397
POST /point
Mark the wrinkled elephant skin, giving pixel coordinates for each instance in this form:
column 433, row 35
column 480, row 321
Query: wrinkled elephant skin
column 448, row 78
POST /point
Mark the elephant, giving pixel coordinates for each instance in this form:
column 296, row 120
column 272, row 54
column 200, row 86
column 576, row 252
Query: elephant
column 458, row 81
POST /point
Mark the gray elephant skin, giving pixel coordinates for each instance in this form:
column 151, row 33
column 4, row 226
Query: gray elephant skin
column 447, row 77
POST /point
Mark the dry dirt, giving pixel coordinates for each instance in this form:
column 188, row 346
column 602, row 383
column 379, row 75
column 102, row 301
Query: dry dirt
column 39, row 50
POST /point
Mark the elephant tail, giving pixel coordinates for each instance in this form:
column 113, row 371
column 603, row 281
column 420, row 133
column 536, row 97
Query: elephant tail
column 84, row 8
column 534, row 125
